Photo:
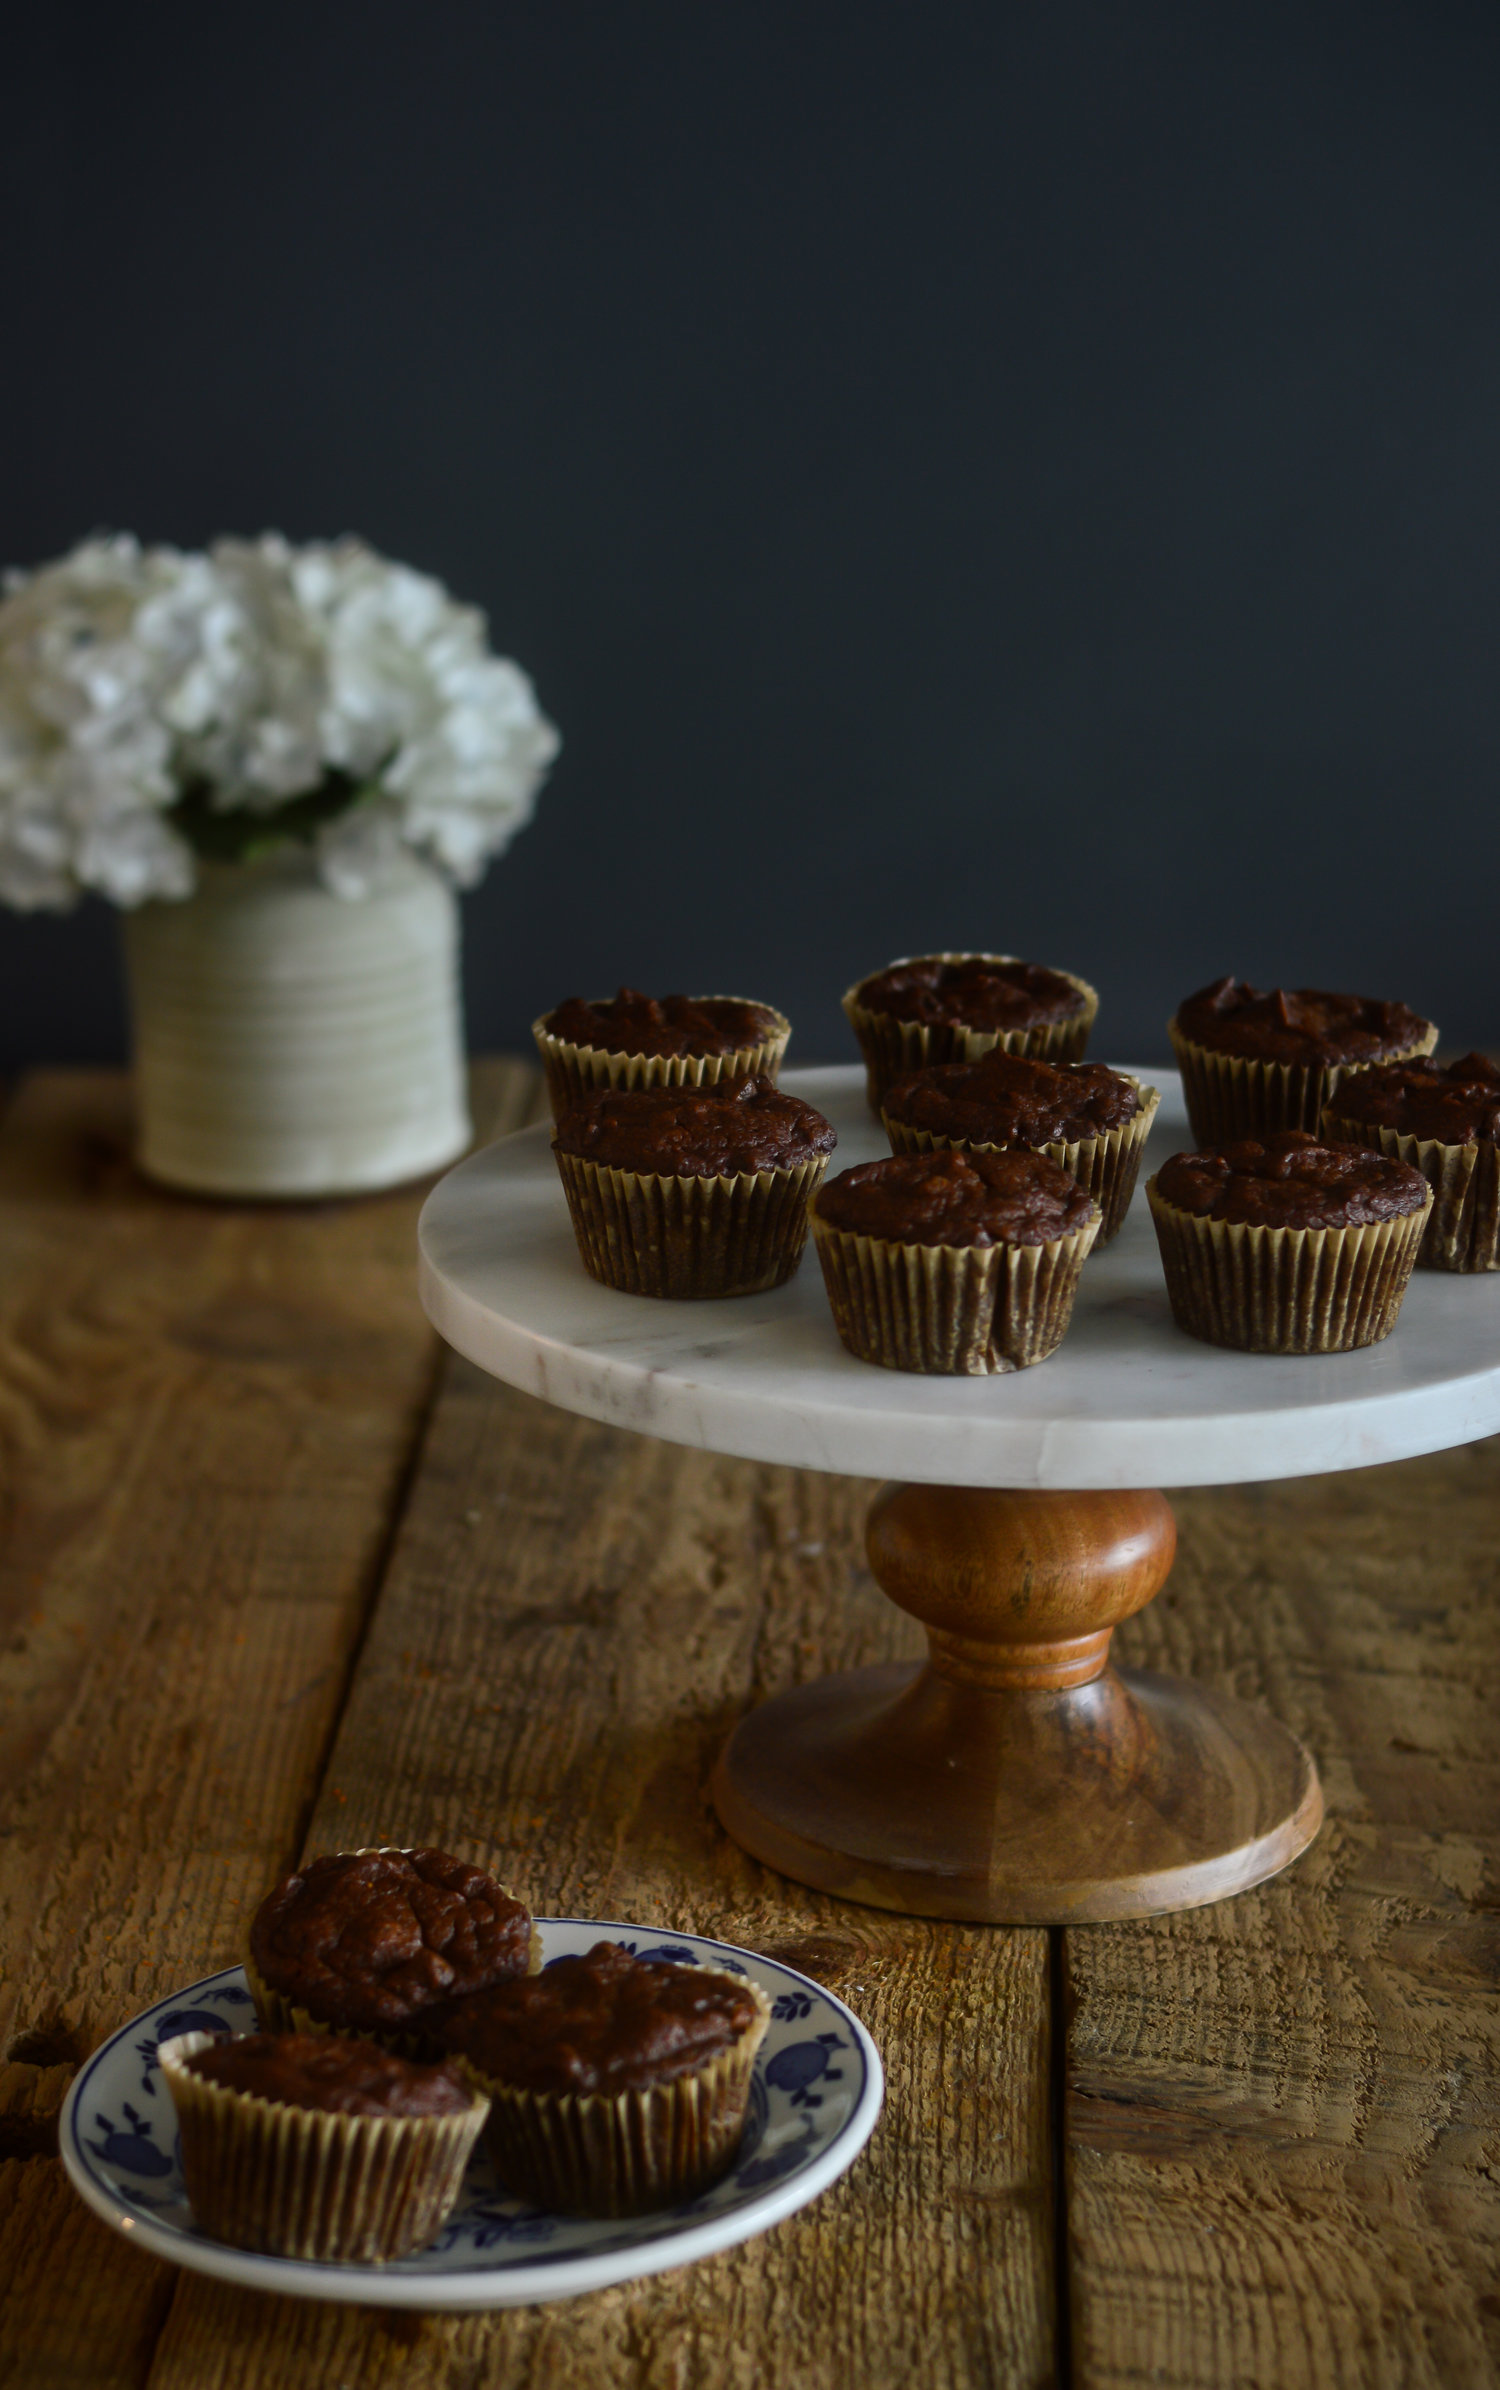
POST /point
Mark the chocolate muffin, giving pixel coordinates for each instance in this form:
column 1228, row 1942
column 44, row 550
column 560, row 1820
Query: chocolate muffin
column 1285, row 1245
column 1444, row 1120
column 632, row 1040
column 365, row 1942
column 954, row 1264
column 1257, row 1060
column 932, row 1008
column 306, row 2145
column 616, row 2084
column 1092, row 1121
column 691, row 1192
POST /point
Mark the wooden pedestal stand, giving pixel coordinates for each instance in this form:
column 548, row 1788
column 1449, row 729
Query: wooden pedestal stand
column 1016, row 1776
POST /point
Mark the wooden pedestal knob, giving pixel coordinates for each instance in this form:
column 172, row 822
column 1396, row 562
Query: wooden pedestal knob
column 1019, row 1589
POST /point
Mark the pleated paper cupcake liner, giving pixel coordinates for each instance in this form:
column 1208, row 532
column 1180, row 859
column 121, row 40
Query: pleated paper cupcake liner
column 1230, row 1096
column 950, row 1310
column 891, row 1048
column 1463, row 1228
column 590, row 2155
column 573, row 1071
column 689, row 1239
column 1106, row 1166
column 298, row 2182
column 1285, row 1290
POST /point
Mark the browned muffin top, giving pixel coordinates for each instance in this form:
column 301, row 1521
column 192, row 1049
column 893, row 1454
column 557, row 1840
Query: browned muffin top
column 367, row 1939
column 1297, row 1025
column 1013, row 1099
column 630, row 1023
column 951, row 1198
column 343, row 2078
column 1456, row 1102
column 694, row 1132
column 1291, row 1181
column 976, row 993
column 601, row 2022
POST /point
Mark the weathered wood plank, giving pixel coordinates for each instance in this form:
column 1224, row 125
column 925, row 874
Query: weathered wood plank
column 207, row 1413
column 572, row 1620
column 1284, row 2112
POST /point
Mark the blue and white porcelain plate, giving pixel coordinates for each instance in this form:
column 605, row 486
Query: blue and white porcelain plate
column 814, row 2099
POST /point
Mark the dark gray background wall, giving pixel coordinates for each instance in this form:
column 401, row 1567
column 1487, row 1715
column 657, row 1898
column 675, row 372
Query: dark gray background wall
column 996, row 475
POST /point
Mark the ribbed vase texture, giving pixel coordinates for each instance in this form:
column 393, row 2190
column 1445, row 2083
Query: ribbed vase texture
column 290, row 1042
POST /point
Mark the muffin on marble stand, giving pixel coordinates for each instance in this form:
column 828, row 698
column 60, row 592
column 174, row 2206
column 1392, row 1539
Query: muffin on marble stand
column 932, row 1008
column 1444, row 1120
column 691, row 1193
column 633, row 1040
column 953, row 1264
column 1255, row 1061
column 1284, row 1244
column 1092, row 1121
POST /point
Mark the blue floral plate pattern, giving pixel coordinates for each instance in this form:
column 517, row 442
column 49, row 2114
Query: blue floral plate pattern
column 814, row 2099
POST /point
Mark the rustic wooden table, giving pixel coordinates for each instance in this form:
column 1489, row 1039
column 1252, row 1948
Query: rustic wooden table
column 277, row 1576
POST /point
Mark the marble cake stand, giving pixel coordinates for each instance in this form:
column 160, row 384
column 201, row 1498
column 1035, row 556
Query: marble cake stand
column 1015, row 1776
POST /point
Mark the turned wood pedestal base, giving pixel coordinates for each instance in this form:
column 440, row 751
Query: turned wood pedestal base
column 1017, row 1777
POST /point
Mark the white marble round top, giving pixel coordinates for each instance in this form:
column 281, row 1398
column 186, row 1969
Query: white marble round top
column 1126, row 1400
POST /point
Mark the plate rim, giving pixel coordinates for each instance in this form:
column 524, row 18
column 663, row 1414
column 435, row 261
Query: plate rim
column 476, row 2286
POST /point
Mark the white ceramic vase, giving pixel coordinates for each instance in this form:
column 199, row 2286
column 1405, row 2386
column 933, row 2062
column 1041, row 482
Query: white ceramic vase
column 296, row 1043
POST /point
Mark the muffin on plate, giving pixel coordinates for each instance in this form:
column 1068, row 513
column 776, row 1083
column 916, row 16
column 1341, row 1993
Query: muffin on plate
column 1092, row 1121
column 633, row 1040
column 1444, row 1119
column 615, row 2084
column 306, row 2145
column 1257, row 1060
column 1285, row 1245
column 691, row 1192
column 954, row 1264
column 931, row 1008
column 364, row 1942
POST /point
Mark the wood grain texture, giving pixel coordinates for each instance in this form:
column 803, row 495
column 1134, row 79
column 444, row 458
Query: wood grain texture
column 572, row 1620
column 207, row 1413
column 1284, row 2113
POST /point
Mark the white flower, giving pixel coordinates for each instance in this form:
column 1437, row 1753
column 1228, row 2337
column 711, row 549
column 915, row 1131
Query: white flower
column 152, row 703
column 417, row 706
column 92, row 651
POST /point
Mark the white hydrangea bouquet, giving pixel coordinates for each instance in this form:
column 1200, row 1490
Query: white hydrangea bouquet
column 158, row 708
column 280, row 762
